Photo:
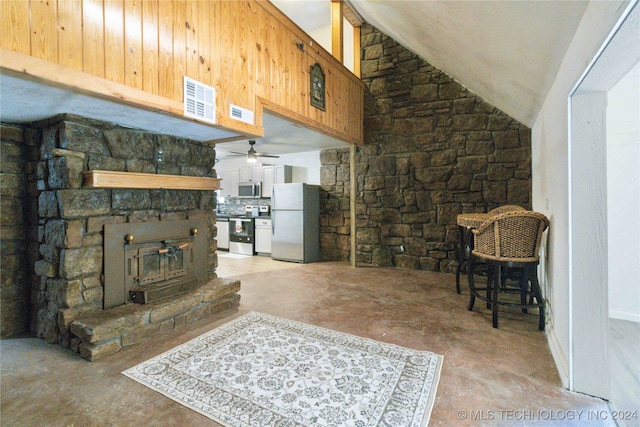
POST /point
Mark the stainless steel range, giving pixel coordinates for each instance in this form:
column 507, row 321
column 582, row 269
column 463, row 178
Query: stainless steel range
column 241, row 235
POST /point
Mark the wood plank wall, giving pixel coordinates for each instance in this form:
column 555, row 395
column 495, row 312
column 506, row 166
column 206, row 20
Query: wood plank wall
column 245, row 48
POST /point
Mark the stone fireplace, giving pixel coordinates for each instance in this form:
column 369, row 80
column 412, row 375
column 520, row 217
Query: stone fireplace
column 109, row 268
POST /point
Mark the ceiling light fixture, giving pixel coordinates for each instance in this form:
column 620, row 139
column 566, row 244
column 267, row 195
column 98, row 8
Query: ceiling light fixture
column 251, row 156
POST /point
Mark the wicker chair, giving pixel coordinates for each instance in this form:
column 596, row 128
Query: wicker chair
column 466, row 237
column 506, row 208
column 508, row 243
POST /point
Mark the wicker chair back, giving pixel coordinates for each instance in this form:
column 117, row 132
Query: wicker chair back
column 506, row 208
column 514, row 236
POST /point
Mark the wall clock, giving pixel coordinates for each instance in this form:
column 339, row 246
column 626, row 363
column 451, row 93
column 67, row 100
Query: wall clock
column 317, row 87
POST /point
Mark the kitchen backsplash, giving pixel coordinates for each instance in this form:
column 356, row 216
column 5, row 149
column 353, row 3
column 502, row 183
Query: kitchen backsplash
column 235, row 205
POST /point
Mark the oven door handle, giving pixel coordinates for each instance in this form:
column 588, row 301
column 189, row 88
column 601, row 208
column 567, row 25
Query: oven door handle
column 240, row 219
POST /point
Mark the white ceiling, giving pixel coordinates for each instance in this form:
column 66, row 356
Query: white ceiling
column 22, row 100
column 309, row 15
column 506, row 52
column 280, row 137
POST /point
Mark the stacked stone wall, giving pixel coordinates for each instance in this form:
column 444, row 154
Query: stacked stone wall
column 64, row 277
column 18, row 220
column 335, row 220
column 432, row 150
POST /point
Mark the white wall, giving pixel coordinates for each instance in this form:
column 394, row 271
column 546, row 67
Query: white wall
column 322, row 36
column 348, row 54
column 623, row 190
column 550, row 160
column 306, row 166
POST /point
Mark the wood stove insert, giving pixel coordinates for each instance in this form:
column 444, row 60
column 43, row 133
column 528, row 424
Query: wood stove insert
column 149, row 261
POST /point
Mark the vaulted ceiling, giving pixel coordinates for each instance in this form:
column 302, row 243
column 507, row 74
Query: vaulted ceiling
column 507, row 52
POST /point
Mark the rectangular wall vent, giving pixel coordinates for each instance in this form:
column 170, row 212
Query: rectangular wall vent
column 199, row 100
column 241, row 114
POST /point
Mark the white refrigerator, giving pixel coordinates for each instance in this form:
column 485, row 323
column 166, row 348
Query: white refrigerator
column 295, row 221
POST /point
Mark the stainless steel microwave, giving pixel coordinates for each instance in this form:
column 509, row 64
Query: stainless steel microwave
column 252, row 189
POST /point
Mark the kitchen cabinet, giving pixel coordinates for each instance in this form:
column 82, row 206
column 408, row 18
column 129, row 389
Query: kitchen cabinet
column 223, row 234
column 263, row 236
column 229, row 183
column 246, row 174
column 283, row 174
column 225, row 183
column 250, row 173
column 268, row 177
column 257, row 172
column 235, row 180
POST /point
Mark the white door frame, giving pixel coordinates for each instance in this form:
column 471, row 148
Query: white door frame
column 588, row 269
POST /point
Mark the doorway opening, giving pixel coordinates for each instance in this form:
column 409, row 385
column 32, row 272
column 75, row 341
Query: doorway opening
column 604, row 203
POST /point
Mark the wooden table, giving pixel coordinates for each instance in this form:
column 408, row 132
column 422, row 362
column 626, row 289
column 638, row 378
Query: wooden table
column 467, row 222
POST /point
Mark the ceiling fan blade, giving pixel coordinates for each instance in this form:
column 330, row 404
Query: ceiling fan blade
column 268, row 155
column 239, row 154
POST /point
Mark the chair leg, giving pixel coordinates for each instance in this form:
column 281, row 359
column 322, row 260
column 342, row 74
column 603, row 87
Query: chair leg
column 491, row 271
column 472, row 288
column 535, row 289
column 461, row 258
column 497, row 280
column 524, row 285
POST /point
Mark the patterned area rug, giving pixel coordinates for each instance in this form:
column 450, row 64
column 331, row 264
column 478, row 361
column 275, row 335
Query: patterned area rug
column 261, row 370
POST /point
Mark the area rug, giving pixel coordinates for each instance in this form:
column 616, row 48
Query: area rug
column 261, row 370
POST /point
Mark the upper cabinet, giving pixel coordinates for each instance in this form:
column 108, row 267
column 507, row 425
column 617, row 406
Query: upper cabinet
column 251, row 173
column 280, row 174
column 139, row 52
column 268, row 175
column 229, row 183
column 283, row 174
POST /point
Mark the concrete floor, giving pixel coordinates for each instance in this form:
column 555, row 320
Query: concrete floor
column 490, row 376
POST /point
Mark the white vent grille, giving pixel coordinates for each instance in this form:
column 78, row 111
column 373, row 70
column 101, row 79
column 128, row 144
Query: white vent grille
column 241, row 114
column 199, row 100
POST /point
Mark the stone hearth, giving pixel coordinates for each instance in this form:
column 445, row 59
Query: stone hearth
column 105, row 332
column 65, row 224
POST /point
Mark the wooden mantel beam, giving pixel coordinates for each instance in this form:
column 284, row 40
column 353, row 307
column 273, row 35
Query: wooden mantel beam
column 149, row 181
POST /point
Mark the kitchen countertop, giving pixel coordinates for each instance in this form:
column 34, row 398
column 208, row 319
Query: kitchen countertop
column 227, row 216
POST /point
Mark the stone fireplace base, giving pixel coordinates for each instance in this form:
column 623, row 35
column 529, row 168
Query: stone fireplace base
column 106, row 332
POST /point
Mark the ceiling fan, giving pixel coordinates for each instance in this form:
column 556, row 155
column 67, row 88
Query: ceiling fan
column 252, row 155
